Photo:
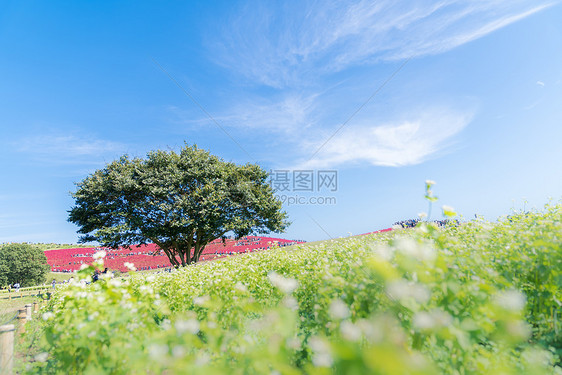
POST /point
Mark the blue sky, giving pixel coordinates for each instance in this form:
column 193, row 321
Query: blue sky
column 386, row 93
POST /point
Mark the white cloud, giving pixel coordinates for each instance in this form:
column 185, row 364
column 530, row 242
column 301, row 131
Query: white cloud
column 292, row 112
column 68, row 149
column 303, row 49
column 284, row 114
column 68, row 145
column 291, row 44
column 408, row 142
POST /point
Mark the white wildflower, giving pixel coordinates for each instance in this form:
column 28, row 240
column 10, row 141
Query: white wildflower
column 423, row 321
column 420, row 251
column 286, row 285
column 430, row 182
column 512, row 300
column 200, row 301
column 372, row 332
column 82, row 294
column 442, row 318
column 41, row 357
column 93, row 315
column 146, row 289
column 322, row 356
column 338, row 309
column 240, row 287
column 322, row 360
column 448, row 211
column 48, row 315
column 92, row 334
column 202, row 359
column 115, row 282
column 178, row 351
column 130, row 266
column 422, row 215
column 294, row 343
column 318, row 345
column 403, row 289
column 99, row 255
column 83, row 267
column 157, row 351
column 518, row 329
column 385, row 252
column 435, row 318
column 191, row 326
column 166, row 324
column 350, row 331
column 291, row 303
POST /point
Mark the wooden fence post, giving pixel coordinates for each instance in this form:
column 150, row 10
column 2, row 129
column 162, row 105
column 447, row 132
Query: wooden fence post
column 6, row 349
column 35, row 306
column 28, row 311
column 21, row 321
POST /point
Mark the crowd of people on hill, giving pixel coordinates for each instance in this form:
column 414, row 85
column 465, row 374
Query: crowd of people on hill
column 245, row 241
column 112, row 254
column 411, row 223
column 63, row 270
column 445, row 222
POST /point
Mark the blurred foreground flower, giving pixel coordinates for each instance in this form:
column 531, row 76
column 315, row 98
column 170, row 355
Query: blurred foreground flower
column 448, row 211
column 130, row 266
column 99, row 255
column 286, row 285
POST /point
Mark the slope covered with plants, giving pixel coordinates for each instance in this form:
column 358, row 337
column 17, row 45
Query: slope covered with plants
column 478, row 298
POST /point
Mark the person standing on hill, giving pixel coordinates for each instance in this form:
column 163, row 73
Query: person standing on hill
column 54, row 283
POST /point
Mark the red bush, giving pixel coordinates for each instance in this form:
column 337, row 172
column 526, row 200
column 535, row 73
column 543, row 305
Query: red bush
column 69, row 260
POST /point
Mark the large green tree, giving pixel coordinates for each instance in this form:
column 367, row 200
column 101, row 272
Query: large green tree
column 179, row 201
column 22, row 263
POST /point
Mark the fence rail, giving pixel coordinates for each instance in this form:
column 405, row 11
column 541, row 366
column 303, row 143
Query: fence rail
column 9, row 320
column 8, row 332
column 24, row 292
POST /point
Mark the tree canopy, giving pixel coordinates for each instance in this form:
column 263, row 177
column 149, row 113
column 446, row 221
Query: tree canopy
column 178, row 201
column 22, row 263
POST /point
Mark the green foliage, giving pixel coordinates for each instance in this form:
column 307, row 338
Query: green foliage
column 180, row 202
column 59, row 277
column 22, row 263
column 479, row 298
column 52, row 246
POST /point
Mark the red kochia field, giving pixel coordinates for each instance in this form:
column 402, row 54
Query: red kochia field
column 68, row 260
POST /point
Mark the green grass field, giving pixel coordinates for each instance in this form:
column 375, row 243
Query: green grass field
column 479, row 298
column 10, row 307
column 54, row 246
column 58, row 276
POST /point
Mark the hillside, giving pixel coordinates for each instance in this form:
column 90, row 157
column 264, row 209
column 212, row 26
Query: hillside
column 149, row 257
column 480, row 298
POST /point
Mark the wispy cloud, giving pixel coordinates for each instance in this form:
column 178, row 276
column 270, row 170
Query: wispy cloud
column 301, row 51
column 294, row 111
column 56, row 148
column 293, row 43
column 407, row 142
column 282, row 114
